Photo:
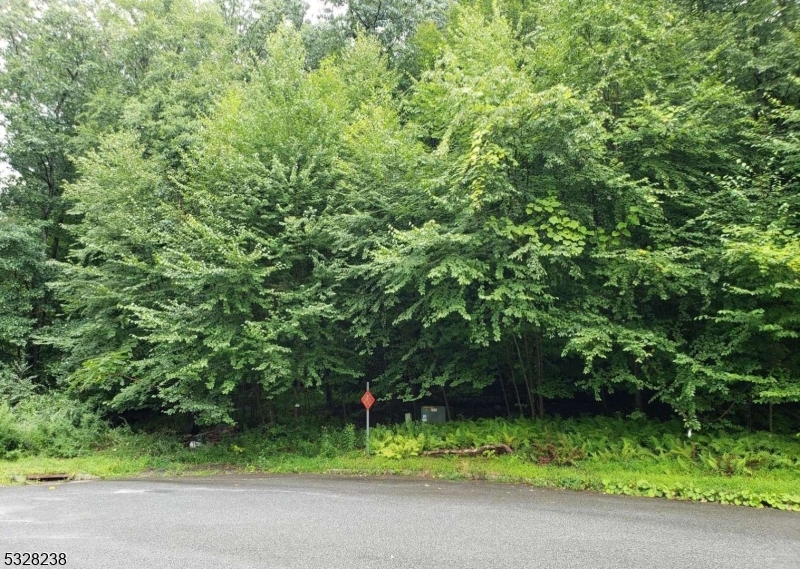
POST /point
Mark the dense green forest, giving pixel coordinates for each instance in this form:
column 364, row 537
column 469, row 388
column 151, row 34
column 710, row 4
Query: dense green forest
column 226, row 210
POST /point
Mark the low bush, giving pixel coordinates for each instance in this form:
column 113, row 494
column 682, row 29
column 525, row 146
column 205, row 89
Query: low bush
column 688, row 492
column 601, row 439
column 50, row 425
column 11, row 440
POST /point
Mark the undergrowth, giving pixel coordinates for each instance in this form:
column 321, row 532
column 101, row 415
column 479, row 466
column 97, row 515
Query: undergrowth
column 611, row 455
column 603, row 439
column 50, row 425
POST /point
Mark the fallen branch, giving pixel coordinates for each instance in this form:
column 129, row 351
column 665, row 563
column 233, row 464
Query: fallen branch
column 499, row 449
column 212, row 436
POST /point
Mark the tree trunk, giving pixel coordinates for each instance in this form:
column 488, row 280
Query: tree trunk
column 539, row 374
column 505, row 395
column 514, row 382
column 770, row 416
column 296, row 402
column 527, row 381
column 329, row 397
column 259, row 392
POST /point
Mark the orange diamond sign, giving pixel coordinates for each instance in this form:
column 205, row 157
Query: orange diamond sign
column 367, row 399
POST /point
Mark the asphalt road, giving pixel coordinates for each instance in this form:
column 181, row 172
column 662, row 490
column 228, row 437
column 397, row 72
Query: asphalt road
column 349, row 523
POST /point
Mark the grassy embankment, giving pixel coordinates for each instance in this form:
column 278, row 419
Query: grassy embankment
column 606, row 455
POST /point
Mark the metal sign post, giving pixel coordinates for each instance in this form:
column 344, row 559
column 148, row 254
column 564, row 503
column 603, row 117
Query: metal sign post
column 367, row 399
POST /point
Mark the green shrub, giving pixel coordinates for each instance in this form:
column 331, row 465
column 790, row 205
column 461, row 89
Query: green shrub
column 327, row 444
column 11, row 440
column 560, row 452
column 51, row 425
column 16, row 382
column 399, row 446
column 349, row 440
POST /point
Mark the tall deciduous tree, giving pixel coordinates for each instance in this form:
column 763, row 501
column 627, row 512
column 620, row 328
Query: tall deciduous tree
column 568, row 197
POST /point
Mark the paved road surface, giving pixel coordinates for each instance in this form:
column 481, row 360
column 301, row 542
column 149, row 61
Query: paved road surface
column 331, row 523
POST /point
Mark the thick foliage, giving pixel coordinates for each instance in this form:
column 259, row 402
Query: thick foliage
column 50, row 425
column 436, row 197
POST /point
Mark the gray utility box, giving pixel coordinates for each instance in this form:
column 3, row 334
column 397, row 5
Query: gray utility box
column 434, row 415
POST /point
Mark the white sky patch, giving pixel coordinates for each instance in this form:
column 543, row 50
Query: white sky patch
column 317, row 8
column 7, row 174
